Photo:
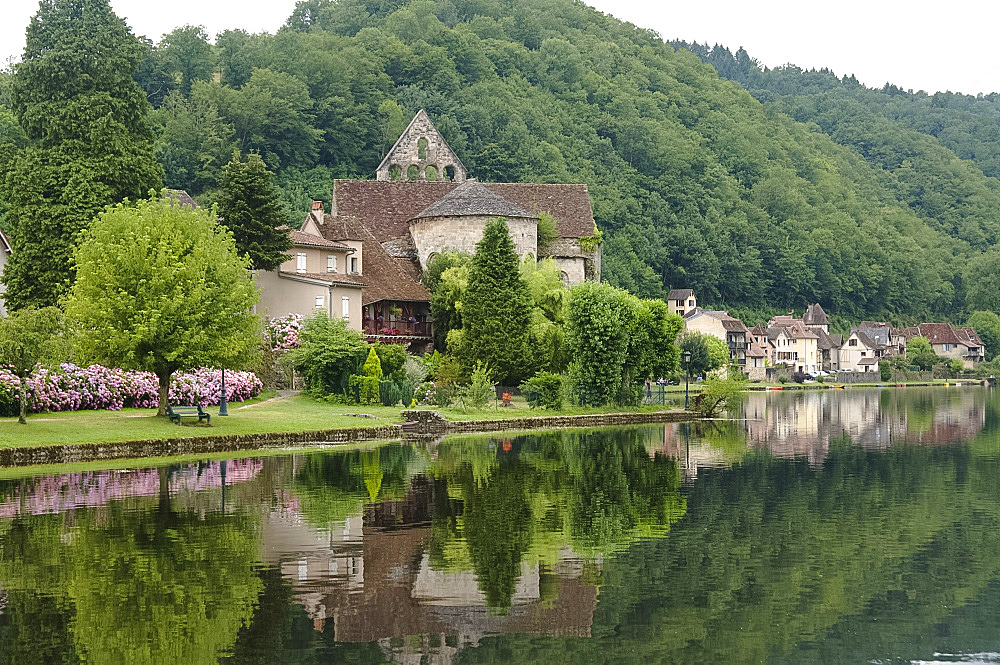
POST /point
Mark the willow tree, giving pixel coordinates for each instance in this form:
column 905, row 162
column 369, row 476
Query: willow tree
column 160, row 288
column 90, row 142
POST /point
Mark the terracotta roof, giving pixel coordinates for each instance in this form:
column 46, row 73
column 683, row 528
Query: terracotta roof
column 754, row 350
column 680, row 294
column 309, row 240
column 734, row 325
column 973, row 336
column 473, row 198
column 342, row 228
column 939, row 333
column 758, row 330
column 331, row 277
column 799, row 331
column 783, row 321
column 386, row 207
column 815, row 316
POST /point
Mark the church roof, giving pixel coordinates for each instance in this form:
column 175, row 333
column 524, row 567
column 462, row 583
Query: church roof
column 386, row 207
column 472, row 198
column 419, row 125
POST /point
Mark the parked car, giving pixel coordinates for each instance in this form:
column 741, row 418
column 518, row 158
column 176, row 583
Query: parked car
column 847, row 370
column 821, row 373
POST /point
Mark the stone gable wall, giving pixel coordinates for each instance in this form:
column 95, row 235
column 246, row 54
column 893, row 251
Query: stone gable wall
column 433, row 235
column 407, row 153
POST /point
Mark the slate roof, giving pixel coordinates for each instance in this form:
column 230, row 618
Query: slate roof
column 734, row 325
column 758, row 330
column 473, row 198
column 828, row 341
column 867, row 340
column 879, row 335
column 309, row 240
column 386, row 207
column 815, row 316
column 680, row 294
column 868, row 361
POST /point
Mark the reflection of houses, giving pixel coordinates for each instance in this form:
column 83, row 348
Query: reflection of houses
column 369, row 579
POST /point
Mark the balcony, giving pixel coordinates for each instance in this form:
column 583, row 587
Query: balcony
column 374, row 328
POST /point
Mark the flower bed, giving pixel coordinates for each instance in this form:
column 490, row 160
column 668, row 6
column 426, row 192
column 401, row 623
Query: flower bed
column 73, row 388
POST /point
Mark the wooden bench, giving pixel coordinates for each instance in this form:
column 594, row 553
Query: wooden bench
column 174, row 413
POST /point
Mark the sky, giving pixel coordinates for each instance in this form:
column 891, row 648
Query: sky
column 915, row 44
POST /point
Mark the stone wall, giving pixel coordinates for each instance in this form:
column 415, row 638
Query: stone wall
column 433, row 235
column 429, row 423
column 421, row 145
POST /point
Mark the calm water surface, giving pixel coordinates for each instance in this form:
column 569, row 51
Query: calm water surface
column 823, row 527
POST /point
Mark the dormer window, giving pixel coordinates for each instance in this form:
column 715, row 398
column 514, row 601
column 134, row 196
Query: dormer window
column 331, row 263
column 300, row 262
column 354, row 266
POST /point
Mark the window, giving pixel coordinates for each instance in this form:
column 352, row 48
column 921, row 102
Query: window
column 431, row 174
column 300, row 262
column 449, row 172
column 690, row 303
column 862, row 354
column 412, row 172
column 422, row 148
column 319, row 302
column 852, row 342
column 354, row 266
column 395, row 172
column 345, row 307
column 331, row 263
column 947, row 347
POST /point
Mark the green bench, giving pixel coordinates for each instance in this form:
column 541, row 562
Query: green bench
column 174, row 413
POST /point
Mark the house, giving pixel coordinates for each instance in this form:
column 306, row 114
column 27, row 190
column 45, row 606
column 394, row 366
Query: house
column 720, row 324
column 794, row 344
column 5, row 252
column 756, row 366
column 962, row 344
column 861, row 346
column 868, row 365
column 423, row 202
column 760, row 339
column 681, row 301
column 828, row 346
column 816, row 319
column 319, row 275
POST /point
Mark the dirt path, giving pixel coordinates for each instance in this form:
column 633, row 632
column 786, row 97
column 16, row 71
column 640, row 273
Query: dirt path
column 282, row 394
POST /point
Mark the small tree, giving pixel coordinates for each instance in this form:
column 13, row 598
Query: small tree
column 328, row 354
column 708, row 352
column 720, row 394
column 250, row 205
column 29, row 337
column 372, row 372
column 161, row 288
column 920, row 353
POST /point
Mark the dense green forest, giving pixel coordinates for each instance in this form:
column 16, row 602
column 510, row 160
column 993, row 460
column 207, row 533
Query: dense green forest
column 811, row 189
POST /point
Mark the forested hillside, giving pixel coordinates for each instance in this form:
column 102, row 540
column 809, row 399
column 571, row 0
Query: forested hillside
column 695, row 183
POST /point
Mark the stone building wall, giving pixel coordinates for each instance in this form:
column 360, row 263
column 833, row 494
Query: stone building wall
column 572, row 260
column 432, row 235
column 421, row 146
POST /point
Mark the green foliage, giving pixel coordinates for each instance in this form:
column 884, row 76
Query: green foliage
column 496, row 309
column 920, row 353
column 329, row 353
column 480, row 390
column 366, row 387
column 987, row 326
column 249, row 207
column 391, row 393
column 447, row 278
column 708, row 352
column 543, row 390
column 188, row 56
column 393, row 358
column 548, row 316
column 885, row 370
column 982, row 282
column 548, row 230
column 720, row 394
column 30, row 337
column 90, row 144
column 161, row 288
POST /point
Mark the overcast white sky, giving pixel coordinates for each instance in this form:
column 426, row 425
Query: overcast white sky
column 915, row 44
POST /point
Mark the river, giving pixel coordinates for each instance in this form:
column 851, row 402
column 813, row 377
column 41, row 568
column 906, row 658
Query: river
column 858, row 526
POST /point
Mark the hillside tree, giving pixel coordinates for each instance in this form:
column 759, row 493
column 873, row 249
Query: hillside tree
column 74, row 96
column 249, row 205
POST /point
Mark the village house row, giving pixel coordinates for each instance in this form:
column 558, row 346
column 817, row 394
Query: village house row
column 807, row 345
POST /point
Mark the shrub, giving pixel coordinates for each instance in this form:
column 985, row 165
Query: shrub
column 392, row 357
column 782, row 379
column 885, row 370
column 329, row 353
column 719, row 394
column 389, row 393
column 407, row 392
column 363, row 389
column 283, row 332
column 478, row 393
column 414, row 371
column 819, row 379
column 543, row 390
column 799, row 377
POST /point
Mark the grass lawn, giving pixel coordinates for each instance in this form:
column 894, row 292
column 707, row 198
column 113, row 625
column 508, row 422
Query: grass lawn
column 292, row 414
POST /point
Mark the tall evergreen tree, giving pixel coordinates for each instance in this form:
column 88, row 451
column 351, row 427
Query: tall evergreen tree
column 249, row 205
column 74, row 96
column 496, row 311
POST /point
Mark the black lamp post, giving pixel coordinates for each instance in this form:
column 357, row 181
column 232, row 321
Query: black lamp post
column 223, row 403
column 687, row 376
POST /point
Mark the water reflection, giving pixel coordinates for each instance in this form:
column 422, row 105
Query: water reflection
column 823, row 527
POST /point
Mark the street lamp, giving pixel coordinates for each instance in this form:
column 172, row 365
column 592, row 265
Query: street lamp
column 687, row 376
column 223, row 403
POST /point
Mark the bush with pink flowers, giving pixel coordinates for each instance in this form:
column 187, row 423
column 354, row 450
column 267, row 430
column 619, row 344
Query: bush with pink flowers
column 284, row 331
column 73, row 388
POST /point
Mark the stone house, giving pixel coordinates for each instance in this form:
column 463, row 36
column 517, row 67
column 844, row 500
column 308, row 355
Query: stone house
column 720, row 324
column 760, row 340
column 794, row 345
column 681, row 301
column 859, row 349
column 422, row 202
column 962, row 344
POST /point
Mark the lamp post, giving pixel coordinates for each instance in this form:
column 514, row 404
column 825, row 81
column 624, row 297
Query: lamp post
column 223, row 403
column 687, row 376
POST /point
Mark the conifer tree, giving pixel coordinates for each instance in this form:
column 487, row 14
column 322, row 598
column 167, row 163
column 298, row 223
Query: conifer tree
column 90, row 143
column 496, row 311
column 249, row 205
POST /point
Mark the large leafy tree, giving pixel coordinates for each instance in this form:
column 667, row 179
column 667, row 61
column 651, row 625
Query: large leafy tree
column 74, row 96
column 188, row 55
column 987, row 326
column 160, row 288
column 496, row 310
column 250, row 207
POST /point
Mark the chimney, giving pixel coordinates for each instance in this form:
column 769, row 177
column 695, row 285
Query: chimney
column 317, row 211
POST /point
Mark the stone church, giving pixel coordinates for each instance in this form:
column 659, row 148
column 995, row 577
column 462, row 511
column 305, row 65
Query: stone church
column 364, row 258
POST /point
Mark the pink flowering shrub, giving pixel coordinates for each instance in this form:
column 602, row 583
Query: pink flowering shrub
column 72, row 388
column 284, row 331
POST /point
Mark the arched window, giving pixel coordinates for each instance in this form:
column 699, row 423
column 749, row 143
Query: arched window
column 395, row 172
column 412, row 172
column 431, row 257
column 421, row 148
column 430, row 173
column 449, row 173
column 564, row 276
